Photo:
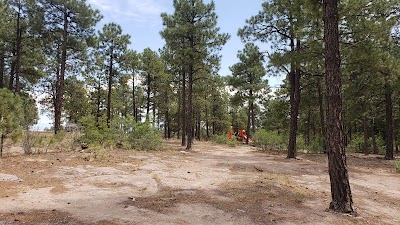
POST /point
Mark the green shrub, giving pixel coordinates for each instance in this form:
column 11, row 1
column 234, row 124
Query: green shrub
column 260, row 139
column 269, row 140
column 145, row 137
column 95, row 132
column 397, row 166
column 220, row 139
column 357, row 144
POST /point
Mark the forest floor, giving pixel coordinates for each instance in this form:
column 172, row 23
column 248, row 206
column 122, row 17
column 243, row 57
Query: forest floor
column 213, row 184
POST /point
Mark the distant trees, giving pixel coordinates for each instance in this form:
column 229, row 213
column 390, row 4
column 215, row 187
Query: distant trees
column 112, row 44
column 67, row 26
column 247, row 81
column 192, row 36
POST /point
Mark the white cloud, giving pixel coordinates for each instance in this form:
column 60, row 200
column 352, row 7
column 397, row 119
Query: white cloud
column 145, row 12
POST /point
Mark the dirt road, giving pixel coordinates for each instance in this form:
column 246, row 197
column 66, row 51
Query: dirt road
column 213, row 184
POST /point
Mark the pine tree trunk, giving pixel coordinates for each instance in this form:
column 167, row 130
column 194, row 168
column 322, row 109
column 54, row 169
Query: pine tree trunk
column 148, row 92
column 18, row 50
column 179, row 106
column 184, row 116
column 134, row 112
column 190, row 109
column 207, row 126
column 110, row 83
column 389, row 122
column 294, row 82
column 340, row 187
column 60, row 79
column 98, row 103
column 2, row 144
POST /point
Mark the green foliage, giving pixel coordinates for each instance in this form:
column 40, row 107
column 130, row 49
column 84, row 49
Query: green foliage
column 11, row 116
column 224, row 140
column 270, row 140
column 124, row 132
column 76, row 103
column 397, row 165
column 260, row 138
column 357, row 144
column 145, row 137
column 95, row 132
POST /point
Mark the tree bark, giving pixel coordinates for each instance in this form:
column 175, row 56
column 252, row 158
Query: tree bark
column 294, row 82
column 207, row 125
column 190, row 108
column 60, row 79
column 110, row 79
column 2, row 144
column 340, row 187
column 18, row 50
column 184, row 116
column 389, row 122
column 179, row 105
column 134, row 111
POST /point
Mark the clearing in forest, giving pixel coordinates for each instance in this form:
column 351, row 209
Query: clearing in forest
column 213, row 184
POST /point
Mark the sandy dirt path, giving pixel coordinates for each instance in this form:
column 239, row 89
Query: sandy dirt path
column 212, row 184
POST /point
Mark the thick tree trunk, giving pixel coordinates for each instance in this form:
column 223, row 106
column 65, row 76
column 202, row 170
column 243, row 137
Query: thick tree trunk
column 294, row 82
column 389, row 122
column 340, row 187
column 60, row 79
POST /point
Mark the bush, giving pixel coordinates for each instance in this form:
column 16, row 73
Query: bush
column 260, row 139
column 357, row 144
column 145, row 137
column 220, row 139
column 397, row 166
column 269, row 140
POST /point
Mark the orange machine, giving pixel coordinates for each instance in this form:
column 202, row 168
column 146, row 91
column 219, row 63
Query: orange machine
column 240, row 135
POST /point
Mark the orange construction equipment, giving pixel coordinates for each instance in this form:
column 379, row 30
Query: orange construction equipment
column 240, row 135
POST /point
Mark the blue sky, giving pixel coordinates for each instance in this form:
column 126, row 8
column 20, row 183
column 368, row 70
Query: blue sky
column 141, row 19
